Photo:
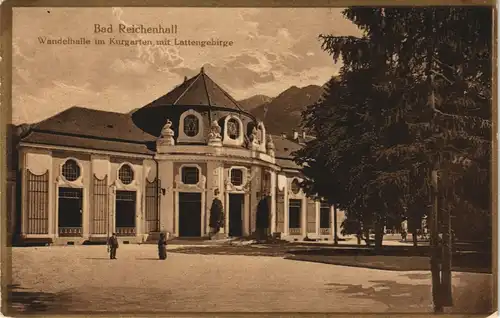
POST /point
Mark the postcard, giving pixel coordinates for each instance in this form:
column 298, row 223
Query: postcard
column 283, row 160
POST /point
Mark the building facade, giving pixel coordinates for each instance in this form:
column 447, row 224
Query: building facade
column 84, row 174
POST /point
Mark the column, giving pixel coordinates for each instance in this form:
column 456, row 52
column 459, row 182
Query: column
column 273, row 201
column 24, row 193
column 255, row 187
column 166, row 175
column 286, row 211
column 246, row 215
column 139, row 212
column 52, row 212
column 86, row 210
column 111, row 209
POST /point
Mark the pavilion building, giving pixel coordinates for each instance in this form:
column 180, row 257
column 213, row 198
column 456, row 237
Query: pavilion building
column 83, row 174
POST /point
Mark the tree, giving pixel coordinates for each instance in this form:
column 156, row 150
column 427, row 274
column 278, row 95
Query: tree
column 408, row 121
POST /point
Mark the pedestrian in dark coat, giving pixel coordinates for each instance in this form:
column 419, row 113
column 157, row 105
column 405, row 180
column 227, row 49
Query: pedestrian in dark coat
column 162, row 247
column 112, row 246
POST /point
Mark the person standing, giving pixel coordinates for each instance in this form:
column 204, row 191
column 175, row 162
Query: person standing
column 162, row 247
column 112, row 246
column 216, row 221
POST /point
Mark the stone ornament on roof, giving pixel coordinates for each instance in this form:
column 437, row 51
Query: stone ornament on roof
column 270, row 146
column 166, row 135
column 214, row 137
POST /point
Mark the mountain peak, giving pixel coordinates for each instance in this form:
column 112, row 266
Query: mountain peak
column 284, row 112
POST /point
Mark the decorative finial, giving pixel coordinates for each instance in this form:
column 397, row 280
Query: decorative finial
column 185, row 78
column 202, row 69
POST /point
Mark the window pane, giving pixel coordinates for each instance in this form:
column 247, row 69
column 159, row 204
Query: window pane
column 294, row 213
column 126, row 174
column 190, row 175
column 71, row 170
column 191, row 125
column 324, row 217
column 236, row 177
column 233, row 129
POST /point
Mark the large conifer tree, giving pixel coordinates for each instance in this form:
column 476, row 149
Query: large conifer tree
column 413, row 96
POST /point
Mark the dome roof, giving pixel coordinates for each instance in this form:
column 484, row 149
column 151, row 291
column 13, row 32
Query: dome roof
column 199, row 90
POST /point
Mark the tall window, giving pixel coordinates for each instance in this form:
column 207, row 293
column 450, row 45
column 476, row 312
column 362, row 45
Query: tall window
column 295, row 186
column 190, row 175
column 71, row 170
column 126, row 174
column 324, row 215
column 294, row 209
column 191, row 125
column 233, row 128
column 236, row 177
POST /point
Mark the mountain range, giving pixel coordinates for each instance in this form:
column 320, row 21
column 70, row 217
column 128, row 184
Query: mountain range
column 283, row 113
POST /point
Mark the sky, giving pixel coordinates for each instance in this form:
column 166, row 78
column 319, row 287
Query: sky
column 273, row 49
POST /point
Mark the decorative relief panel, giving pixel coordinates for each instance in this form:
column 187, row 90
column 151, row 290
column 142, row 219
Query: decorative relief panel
column 199, row 186
column 245, row 182
column 128, row 180
column 191, row 127
column 294, row 190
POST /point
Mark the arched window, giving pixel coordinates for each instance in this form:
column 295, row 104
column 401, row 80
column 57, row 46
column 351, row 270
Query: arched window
column 190, row 175
column 295, row 186
column 233, row 128
column 236, row 177
column 126, row 174
column 71, row 170
column 250, row 128
column 191, row 125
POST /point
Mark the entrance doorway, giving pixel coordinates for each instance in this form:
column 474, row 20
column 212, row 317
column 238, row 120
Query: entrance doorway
column 236, row 202
column 189, row 214
column 125, row 213
column 70, row 212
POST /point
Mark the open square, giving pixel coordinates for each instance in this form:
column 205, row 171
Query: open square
column 79, row 279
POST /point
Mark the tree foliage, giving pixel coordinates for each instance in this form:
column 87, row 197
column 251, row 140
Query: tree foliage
column 413, row 94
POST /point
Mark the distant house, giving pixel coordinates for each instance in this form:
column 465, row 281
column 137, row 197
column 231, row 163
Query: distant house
column 83, row 174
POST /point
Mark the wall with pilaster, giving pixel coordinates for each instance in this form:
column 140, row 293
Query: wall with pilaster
column 255, row 195
column 166, row 174
column 84, row 182
column 38, row 162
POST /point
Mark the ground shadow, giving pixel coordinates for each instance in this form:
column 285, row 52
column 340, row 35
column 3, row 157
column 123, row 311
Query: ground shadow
column 24, row 301
column 397, row 297
column 404, row 298
column 232, row 250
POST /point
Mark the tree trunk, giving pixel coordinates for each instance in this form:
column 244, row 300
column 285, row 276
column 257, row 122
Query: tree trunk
column 366, row 237
column 379, row 235
column 415, row 238
column 434, row 245
column 335, row 234
column 447, row 256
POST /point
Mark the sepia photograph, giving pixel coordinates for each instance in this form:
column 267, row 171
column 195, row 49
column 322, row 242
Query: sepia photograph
column 250, row 160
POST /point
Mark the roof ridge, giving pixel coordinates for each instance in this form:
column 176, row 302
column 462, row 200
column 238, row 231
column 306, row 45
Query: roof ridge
column 227, row 94
column 52, row 132
column 206, row 89
column 187, row 89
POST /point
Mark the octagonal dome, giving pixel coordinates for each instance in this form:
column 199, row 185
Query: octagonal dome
column 199, row 93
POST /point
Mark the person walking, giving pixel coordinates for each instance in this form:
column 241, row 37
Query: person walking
column 112, row 246
column 404, row 230
column 162, row 246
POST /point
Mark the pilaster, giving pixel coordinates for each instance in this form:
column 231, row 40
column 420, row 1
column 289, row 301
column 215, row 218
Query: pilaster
column 166, row 213
column 273, row 201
